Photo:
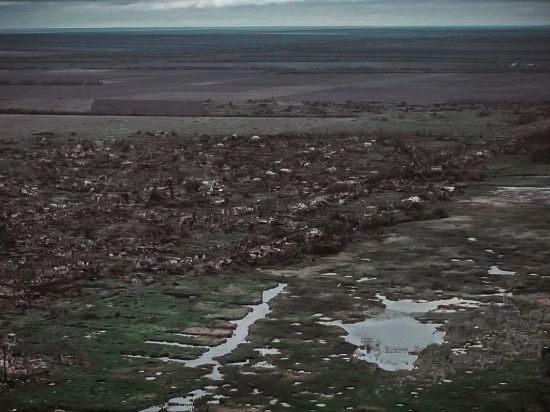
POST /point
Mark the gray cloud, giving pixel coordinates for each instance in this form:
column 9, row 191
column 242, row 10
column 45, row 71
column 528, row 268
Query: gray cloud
column 176, row 4
column 166, row 4
column 106, row 13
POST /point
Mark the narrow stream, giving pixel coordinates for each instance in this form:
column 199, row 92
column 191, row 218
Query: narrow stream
column 259, row 311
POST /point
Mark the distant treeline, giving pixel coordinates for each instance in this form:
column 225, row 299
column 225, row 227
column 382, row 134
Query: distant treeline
column 51, row 83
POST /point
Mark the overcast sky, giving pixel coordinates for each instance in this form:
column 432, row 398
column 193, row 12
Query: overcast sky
column 192, row 13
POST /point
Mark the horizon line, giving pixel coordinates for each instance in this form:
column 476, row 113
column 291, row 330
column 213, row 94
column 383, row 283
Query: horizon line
column 267, row 27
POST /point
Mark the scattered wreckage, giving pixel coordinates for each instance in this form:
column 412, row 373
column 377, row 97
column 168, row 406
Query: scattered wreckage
column 139, row 209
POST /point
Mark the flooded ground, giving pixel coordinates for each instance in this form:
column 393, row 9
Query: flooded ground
column 448, row 311
column 240, row 333
column 393, row 338
column 210, row 357
column 296, row 222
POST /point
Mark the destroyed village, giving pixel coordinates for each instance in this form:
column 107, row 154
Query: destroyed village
column 234, row 206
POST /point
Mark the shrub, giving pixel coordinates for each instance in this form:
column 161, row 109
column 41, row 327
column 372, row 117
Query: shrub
column 538, row 144
column 7, row 241
column 541, row 155
column 192, row 186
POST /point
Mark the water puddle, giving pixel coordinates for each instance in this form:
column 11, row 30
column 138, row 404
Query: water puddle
column 524, row 193
column 177, row 344
column 495, row 270
column 239, row 336
column 268, row 351
column 365, row 279
column 523, row 189
column 412, row 307
column 181, row 404
column 393, row 338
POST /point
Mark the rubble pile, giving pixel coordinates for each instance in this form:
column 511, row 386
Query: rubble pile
column 143, row 209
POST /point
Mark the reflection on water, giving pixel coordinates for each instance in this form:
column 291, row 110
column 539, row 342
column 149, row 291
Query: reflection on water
column 393, row 338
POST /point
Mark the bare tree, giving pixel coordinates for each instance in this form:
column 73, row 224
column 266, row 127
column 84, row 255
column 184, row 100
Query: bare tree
column 7, row 343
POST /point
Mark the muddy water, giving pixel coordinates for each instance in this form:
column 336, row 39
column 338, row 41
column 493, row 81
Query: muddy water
column 393, row 338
